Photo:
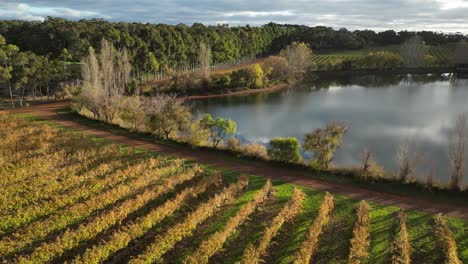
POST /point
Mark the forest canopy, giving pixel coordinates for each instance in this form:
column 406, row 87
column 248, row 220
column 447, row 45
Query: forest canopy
column 177, row 45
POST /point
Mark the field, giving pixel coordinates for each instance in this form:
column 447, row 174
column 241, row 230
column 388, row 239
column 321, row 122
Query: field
column 440, row 53
column 67, row 197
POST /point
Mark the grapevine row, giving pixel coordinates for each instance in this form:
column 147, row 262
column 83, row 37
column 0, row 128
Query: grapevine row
column 310, row 244
column 360, row 243
column 76, row 213
column 401, row 248
column 445, row 240
column 122, row 237
column 215, row 242
column 253, row 255
column 162, row 244
column 30, row 213
column 95, row 225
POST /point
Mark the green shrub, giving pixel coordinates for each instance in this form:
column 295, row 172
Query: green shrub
column 252, row 77
column 284, row 149
column 221, row 81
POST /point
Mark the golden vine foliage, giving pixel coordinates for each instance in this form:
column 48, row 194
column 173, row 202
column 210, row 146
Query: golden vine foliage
column 401, row 248
column 125, row 182
column 215, row 242
column 445, row 240
column 122, row 237
column 155, row 251
column 86, row 231
column 252, row 255
column 310, row 244
column 360, row 243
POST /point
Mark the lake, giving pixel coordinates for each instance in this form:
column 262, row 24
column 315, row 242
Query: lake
column 382, row 111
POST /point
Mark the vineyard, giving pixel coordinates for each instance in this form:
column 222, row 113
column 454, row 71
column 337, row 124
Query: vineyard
column 441, row 54
column 68, row 198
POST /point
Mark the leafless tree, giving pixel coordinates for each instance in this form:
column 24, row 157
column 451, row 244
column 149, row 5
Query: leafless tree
column 366, row 159
column 105, row 80
column 407, row 162
column 413, row 52
column 456, row 152
column 204, row 58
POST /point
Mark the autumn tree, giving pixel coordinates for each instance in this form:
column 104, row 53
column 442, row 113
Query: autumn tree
column 105, row 79
column 298, row 56
column 413, row 52
column 132, row 109
column 323, row 143
column 204, row 59
column 275, row 67
column 456, row 153
column 166, row 115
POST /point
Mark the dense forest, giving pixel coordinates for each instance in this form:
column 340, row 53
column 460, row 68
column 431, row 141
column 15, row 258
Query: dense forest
column 163, row 45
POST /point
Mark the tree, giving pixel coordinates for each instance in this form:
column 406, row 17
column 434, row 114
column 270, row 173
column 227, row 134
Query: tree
column 275, row 67
column 256, row 77
column 204, row 58
column 380, row 60
column 132, row 109
column 461, row 53
column 407, row 162
column 150, row 63
column 284, row 149
column 323, row 143
column 166, row 115
column 456, row 153
column 413, row 52
column 7, row 53
column 219, row 128
column 105, row 79
column 65, row 56
column 299, row 56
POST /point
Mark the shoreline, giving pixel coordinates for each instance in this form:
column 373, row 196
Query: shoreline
column 273, row 88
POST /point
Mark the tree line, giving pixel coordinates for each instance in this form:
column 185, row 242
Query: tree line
column 160, row 45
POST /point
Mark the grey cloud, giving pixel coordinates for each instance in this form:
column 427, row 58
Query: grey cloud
column 443, row 15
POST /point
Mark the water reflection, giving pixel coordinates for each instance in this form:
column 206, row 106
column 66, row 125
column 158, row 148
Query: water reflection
column 383, row 111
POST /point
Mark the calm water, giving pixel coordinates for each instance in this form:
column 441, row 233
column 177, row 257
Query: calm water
column 382, row 112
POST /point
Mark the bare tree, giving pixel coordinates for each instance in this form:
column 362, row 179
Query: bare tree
column 366, row 159
column 413, row 52
column 407, row 162
column 204, row 58
column 105, row 80
column 456, row 152
column 298, row 56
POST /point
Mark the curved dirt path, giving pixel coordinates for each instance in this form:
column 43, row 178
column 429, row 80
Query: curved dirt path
column 49, row 112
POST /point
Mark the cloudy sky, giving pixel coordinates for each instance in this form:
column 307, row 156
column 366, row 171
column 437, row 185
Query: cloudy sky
column 438, row 15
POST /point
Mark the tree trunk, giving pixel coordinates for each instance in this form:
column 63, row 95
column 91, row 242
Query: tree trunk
column 21, row 96
column 11, row 95
column 48, row 94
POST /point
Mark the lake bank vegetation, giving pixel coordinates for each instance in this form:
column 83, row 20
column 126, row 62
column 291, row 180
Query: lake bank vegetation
column 106, row 93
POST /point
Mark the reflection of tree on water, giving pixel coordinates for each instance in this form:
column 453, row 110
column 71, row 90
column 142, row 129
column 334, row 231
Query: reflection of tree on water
column 458, row 82
column 317, row 82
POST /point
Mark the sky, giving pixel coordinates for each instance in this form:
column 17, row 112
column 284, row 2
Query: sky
column 434, row 15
